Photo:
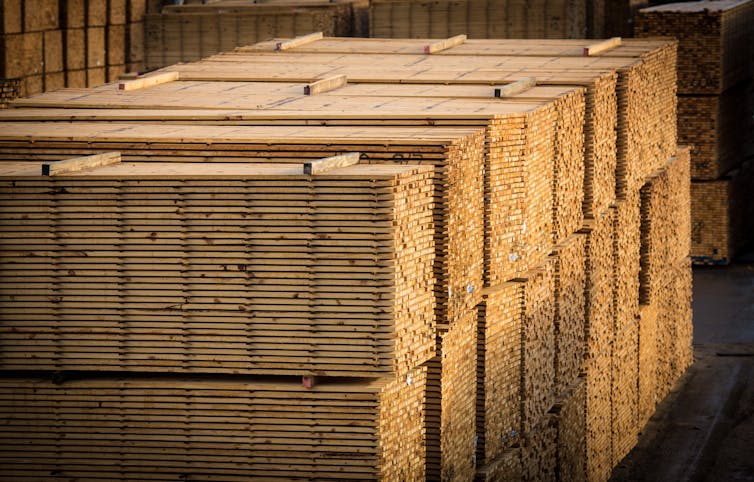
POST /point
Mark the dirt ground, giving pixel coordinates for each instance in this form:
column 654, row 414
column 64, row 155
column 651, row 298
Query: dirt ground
column 704, row 430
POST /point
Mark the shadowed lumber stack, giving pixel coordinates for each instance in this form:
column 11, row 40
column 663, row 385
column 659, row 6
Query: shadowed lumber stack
column 250, row 256
column 163, row 428
column 721, row 213
column 720, row 129
column 184, row 33
column 648, row 359
column 600, row 312
column 51, row 44
column 627, row 264
column 499, row 399
column 674, row 330
column 478, row 19
column 505, row 467
column 456, row 153
column 569, row 413
column 666, row 224
column 716, row 41
column 10, row 89
column 459, row 401
column 624, row 395
column 570, row 321
column 539, row 451
column 538, row 353
column 715, row 101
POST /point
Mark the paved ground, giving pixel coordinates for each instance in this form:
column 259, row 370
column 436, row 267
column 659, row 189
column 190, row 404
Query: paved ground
column 704, row 430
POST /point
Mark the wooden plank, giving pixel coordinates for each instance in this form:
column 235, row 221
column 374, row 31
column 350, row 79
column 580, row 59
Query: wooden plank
column 516, row 87
column 80, row 164
column 329, row 163
column 444, row 44
column 150, row 81
column 298, row 41
column 325, row 85
column 600, row 47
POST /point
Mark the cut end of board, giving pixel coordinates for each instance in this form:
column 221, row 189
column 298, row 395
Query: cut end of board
column 321, row 166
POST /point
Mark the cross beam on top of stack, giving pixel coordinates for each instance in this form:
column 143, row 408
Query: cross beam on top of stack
column 456, row 153
column 226, row 268
column 538, row 120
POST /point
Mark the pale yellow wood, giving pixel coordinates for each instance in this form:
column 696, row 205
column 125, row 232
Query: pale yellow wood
column 444, row 44
column 516, row 87
column 600, row 47
column 78, row 164
column 329, row 163
column 298, row 41
column 150, row 81
column 325, row 85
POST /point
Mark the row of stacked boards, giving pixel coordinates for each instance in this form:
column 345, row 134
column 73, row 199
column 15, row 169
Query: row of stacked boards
column 499, row 288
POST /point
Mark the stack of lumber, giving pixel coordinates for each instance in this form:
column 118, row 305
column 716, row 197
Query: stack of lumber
column 477, row 18
column 184, row 33
column 162, row 428
column 499, row 371
column 569, row 415
column 722, row 211
column 664, row 321
column 487, row 285
column 715, row 107
column 134, row 198
column 646, row 94
column 10, row 89
column 570, row 305
column 495, row 19
column 353, row 283
column 600, row 312
column 522, row 136
column 715, row 41
column 666, row 226
column 51, row 44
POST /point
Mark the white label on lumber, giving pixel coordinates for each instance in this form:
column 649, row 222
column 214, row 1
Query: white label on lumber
column 325, row 85
column 516, row 87
column 444, row 44
column 150, row 81
column 78, row 164
column 603, row 46
column 299, row 41
column 329, row 163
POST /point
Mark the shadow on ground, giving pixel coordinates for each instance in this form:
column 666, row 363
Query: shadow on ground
column 704, row 430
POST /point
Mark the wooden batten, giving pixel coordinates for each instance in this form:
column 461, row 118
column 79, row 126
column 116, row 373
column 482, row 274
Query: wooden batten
column 150, row 81
column 516, row 87
column 325, row 85
column 298, row 41
column 600, row 47
column 444, row 44
column 78, row 164
column 329, row 163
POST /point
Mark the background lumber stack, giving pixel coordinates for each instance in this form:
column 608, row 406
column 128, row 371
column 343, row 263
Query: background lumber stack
column 502, row 18
column 715, row 110
column 184, row 33
column 533, row 369
column 51, row 44
column 10, row 89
